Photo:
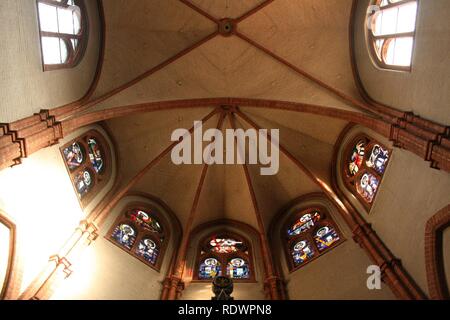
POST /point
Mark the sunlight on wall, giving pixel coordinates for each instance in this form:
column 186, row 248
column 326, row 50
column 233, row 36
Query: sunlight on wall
column 79, row 283
column 40, row 198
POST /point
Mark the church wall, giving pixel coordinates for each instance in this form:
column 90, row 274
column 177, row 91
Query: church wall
column 24, row 87
column 426, row 89
column 200, row 290
column 39, row 197
column 341, row 273
column 410, row 194
column 105, row 271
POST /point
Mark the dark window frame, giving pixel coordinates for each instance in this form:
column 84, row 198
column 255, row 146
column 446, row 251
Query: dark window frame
column 290, row 241
column 153, row 211
column 224, row 258
column 350, row 181
column 380, row 58
column 101, row 179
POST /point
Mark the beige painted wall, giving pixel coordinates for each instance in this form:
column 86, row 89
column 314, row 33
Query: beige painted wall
column 426, row 89
column 410, row 193
column 242, row 291
column 50, row 212
column 338, row 274
column 107, row 272
column 24, row 87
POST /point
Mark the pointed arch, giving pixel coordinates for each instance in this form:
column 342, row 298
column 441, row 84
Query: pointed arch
column 7, row 256
column 434, row 260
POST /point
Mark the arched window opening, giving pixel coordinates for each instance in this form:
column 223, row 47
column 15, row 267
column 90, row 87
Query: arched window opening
column 364, row 165
column 141, row 232
column 308, row 235
column 63, row 32
column 88, row 161
column 391, row 33
column 224, row 254
column 7, row 242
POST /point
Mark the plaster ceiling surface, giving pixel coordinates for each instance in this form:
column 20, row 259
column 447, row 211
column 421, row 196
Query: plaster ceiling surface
column 312, row 35
column 227, row 8
column 142, row 34
column 225, row 193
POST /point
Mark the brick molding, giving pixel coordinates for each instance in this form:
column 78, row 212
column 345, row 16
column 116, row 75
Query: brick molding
column 434, row 260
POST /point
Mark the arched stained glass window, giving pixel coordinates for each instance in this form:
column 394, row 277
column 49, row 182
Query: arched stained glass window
column 391, row 32
column 63, row 31
column 364, row 162
column 87, row 159
column 224, row 254
column 139, row 230
column 309, row 234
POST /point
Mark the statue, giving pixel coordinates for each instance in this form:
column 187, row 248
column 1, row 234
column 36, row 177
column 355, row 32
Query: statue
column 222, row 287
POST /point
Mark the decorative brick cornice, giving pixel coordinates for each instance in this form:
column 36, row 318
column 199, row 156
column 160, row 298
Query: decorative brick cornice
column 62, row 262
column 89, row 227
column 18, row 142
column 432, row 146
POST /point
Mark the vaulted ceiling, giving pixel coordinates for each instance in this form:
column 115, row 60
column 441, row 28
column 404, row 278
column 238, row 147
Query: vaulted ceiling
column 171, row 50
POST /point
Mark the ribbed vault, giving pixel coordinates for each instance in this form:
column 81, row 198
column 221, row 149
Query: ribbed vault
column 173, row 50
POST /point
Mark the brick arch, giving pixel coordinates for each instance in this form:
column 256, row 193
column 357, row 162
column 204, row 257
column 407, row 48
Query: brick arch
column 81, row 120
column 12, row 279
column 434, row 260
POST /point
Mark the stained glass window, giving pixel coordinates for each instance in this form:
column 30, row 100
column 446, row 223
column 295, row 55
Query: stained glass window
column 145, row 220
column 238, row 268
column 301, row 252
column 378, row 158
column 125, row 235
column 221, row 245
column 148, row 249
column 305, row 222
column 325, row 237
column 365, row 163
column 209, row 268
column 310, row 233
column 357, row 157
column 367, row 186
column 83, row 182
column 86, row 159
column 95, row 155
column 62, row 25
column 391, row 28
column 140, row 232
column 74, row 155
column 222, row 254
